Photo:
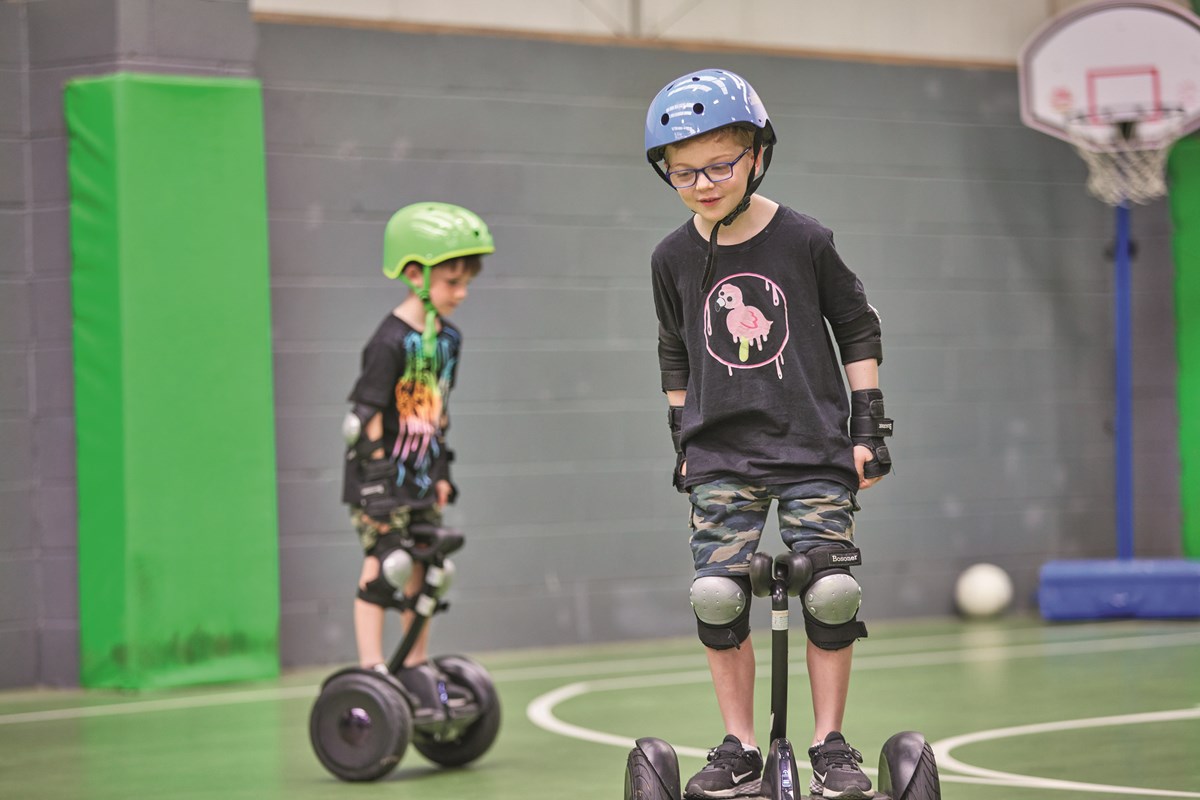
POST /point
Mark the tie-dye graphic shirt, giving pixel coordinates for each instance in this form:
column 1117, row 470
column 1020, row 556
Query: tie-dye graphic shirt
column 412, row 396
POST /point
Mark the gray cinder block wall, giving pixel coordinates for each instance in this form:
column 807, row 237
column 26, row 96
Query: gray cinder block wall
column 974, row 235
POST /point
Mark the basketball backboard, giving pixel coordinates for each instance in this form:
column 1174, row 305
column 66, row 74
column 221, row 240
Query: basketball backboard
column 1114, row 69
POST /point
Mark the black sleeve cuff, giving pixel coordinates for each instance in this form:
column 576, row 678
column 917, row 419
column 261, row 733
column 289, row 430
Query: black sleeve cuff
column 674, row 380
column 861, row 351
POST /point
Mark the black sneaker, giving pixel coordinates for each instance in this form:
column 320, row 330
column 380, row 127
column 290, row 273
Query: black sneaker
column 731, row 772
column 835, row 770
column 427, row 689
column 433, row 695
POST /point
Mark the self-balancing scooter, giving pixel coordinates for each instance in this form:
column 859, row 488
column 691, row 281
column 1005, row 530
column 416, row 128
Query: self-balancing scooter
column 907, row 770
column 363, row 720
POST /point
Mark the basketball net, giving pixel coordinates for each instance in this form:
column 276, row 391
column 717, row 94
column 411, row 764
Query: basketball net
column 1121, row 166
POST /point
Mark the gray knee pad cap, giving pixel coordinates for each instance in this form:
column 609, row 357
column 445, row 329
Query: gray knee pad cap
column 396, row 567
column 832, row 599
column 722, row 607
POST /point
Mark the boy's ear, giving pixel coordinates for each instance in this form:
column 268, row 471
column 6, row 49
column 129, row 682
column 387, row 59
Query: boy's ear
column 414, row 272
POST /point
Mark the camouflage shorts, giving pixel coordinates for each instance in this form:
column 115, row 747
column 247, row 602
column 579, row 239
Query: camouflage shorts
column 369, row 530
column 728, row 519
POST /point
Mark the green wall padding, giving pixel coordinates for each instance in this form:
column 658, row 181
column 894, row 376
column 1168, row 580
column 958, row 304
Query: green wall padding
column 1183, row 169
column 178, row 531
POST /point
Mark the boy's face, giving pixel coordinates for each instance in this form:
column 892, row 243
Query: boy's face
column 712, row 202
column 447, row 284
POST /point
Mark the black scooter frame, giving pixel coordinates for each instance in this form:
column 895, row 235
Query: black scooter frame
column 430, row 545
column 907, row 770
column 781, row 779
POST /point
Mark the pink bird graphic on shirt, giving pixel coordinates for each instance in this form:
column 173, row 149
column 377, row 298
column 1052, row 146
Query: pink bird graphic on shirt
column 746, row 323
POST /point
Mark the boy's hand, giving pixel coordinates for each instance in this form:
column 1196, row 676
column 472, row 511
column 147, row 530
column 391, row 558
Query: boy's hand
column 444, row 491
column 680, row 473
column 869, row 424
column 861, row 456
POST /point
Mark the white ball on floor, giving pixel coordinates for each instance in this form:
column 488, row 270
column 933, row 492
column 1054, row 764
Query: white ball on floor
column 983, row 590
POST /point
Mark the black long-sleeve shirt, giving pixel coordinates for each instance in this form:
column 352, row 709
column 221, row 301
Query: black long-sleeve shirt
column 766, row 403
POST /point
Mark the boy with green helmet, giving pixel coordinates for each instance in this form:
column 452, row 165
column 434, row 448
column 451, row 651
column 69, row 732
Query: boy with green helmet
column 397, row 468
column 429, row 234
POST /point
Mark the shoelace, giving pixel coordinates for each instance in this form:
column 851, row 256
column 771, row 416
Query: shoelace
column 728, row 752
column 842, row 759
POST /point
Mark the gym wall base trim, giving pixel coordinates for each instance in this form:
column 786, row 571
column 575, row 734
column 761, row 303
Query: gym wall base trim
column 1183, row 170
column 178, row 527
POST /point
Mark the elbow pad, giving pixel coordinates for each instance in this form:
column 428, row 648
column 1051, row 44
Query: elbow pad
column 353, row 424
column 860, row 338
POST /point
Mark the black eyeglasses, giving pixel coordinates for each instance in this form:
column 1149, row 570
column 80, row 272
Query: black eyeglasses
column 721, row 171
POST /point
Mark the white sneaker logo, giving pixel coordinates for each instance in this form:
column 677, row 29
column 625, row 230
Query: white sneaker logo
column 738, row 778
column 820, row 777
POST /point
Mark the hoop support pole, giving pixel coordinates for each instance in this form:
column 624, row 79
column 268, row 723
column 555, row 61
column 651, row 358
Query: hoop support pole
column 1123, row 422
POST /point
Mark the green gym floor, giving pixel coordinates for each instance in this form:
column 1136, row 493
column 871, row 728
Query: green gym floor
column 1015, row 709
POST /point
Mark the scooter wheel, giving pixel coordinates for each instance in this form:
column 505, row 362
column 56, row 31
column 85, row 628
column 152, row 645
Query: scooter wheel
column 360, row 725
column 652, row 771
column 479, row 736
column 907, row 769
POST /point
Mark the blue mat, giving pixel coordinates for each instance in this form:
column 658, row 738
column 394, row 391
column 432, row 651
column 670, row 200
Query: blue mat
column 1111, row 589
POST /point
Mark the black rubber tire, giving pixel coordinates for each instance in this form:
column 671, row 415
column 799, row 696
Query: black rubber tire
column 641, row 781
column 479, row 737
column 360, row 725
column 924, row 784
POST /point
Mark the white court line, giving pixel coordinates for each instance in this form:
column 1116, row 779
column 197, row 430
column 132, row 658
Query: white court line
column 540, row 710
column 166, row 704
column 603, row 667
column 614, row 666
column 307, row 691
column 944, row 759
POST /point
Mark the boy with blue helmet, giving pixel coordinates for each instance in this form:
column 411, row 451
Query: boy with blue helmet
column 758, row 410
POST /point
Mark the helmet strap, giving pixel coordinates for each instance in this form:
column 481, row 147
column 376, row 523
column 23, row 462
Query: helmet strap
column 766, row 151
column 660, row 172
column 429, row 335
column 751, row 187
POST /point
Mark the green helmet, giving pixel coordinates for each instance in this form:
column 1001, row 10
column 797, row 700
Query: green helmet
column 430, row 233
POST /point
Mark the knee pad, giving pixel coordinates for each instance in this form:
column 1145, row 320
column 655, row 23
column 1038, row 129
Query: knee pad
column 353, row 422
column 722, row 607
column 395, row 568
column 832, row 598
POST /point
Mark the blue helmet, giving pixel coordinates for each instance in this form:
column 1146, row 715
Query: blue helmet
column 700, row 102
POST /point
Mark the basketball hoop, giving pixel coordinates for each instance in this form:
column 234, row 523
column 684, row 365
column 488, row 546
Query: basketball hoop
column 1121, row 164
column 1120, row 81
